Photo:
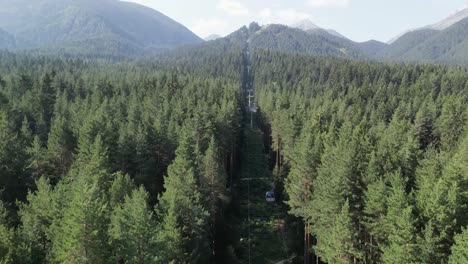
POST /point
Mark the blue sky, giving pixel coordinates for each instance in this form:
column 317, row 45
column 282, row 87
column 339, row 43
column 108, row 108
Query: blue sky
column 360, row 20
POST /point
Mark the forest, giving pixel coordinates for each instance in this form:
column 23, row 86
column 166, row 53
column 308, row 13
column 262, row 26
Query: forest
column 143, row 161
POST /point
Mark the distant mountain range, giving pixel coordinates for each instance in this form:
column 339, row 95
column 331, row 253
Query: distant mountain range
column 212, row 37
column 445, row 23
column 7, row 41
column 443, row 42
column 114, row 28
column 103, row 27
column 308, row 26
column 451, row 20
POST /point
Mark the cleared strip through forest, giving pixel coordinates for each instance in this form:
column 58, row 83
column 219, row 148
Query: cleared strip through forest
column 262, row 225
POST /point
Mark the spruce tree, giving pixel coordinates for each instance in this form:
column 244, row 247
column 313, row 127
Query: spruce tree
column 300, row 180
column 122, row 186
column 132, row 230
column 37, row 162
column 60, row 146
column 81, row 236
column 214, row 179
column 341, row 247
column 437, row 200
column 460, row 248
column 375, row 210
column 36, row 217
column 424, row 124
column 7, row 238
column 180, row 209
column 399, row 225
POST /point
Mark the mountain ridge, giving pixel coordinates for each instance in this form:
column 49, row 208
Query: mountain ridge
column 131, row 27
column 308, row 26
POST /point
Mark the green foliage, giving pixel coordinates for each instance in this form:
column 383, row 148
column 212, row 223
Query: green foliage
column 132, row 230
column 372, row 156
column 349, row 127
column 399, row 225
column 341, row 247
column 7, row 235
column 183, row 214
column 37, row 215
column 459, row 249
column 81, row 237
column 94, row 29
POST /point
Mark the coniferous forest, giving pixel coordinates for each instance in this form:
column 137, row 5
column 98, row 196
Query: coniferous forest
column 163, row 161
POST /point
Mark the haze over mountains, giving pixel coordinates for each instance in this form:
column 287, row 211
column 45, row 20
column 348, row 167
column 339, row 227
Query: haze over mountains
column 87, row 26
column 116, row 28
column 444, row 42
column 308, row 25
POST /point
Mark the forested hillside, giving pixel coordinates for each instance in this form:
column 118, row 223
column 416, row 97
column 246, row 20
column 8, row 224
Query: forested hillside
column 447, row 46
column 159, row 161
column 373, row 157
column 120, row 163
column 104, row 28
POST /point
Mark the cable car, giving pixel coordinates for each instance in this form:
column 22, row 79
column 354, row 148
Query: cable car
column 270, row 197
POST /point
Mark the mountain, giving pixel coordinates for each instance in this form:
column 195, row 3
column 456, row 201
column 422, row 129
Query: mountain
column 7, row 41
column 102, row 27
column 305, row 25
column 448, row 46
column 308, row 26
column 399, row 48
column 445, row 23
column 277, row 37
column 212, row 37
column 451, row 20
column 372, row 48
column 287, row 39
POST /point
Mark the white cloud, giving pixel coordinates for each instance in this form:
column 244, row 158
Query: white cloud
column 282, row 16
column 233, row 7
column 329, row 3
column 206, row 27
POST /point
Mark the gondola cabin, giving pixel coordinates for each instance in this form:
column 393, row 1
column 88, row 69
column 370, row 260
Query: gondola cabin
column 270, row 197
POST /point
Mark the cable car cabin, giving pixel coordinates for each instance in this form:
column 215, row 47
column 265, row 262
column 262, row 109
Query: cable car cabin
column 270, row 197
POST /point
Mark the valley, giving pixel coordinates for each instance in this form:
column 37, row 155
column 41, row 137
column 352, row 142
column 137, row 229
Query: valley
column 126, row 138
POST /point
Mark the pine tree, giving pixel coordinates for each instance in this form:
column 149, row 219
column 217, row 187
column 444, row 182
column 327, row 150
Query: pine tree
column 81, row 236
column 214, row 179
column 429, row 246
column 37, row 163
column 424, row 124
column 375, row 210
column 181, row 210
column 300, row 180
column 12, row 162
column 452, row 121
column 122, row 186
column 341, row 248
column 37, row 216
column 48, row 97
column 335, row 185
column 7, row 238
column 92, row 165
column 213, row 186
column 455, row 174
column 399, row 225
column 60, row 146
column 132, row 230
column 437, row 200
column 460, row 248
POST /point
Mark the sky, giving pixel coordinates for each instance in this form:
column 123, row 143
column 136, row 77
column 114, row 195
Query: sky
column 359, row 20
